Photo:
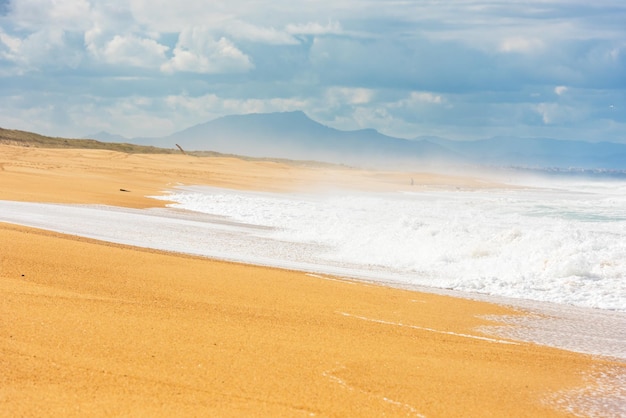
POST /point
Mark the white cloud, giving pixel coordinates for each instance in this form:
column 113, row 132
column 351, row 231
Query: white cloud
column 197, row 51
column 465, row 63
column 115, row 37
column 44, row 48
column 424, row 97
column 60, row 14
column 131, row 117
column 11, row 48
column 560, row 90
column 418, row 99
column 258, row 21
column 615, row 54
column 556, row 114
column 166, row 16
column 233, row 20
column 336, row 96
column 521, row 45
column 546, row 110
column 127, row 116
column 242, row 30
column 314, row 28
column 92, row 38
column 210, row 106
column 134, row 51
column 376, row 117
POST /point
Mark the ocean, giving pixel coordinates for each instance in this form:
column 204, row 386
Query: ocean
column 565, row 243
column 557, row 247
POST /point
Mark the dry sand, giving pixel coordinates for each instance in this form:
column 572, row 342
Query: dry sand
column 95, row 329
column 96, row 176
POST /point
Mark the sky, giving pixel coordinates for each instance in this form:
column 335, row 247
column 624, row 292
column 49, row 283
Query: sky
column 460, row 69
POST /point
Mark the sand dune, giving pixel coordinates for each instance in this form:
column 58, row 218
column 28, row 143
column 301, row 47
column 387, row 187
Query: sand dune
column 95, row 329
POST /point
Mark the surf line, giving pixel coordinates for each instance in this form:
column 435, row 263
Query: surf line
column 399, row 324
column 317, row 276
column 345, row 280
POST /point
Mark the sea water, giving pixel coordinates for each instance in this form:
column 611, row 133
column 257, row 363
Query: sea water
column 564, row 244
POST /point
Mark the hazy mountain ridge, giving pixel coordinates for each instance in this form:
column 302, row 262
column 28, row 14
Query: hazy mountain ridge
column 107, row 137
column 541, row 152
column 294, row 135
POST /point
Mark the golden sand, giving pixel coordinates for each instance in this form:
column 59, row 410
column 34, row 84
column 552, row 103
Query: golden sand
column 95, row 329
column 96, row 176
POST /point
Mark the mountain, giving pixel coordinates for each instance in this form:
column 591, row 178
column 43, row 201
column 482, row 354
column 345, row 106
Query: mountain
column 540, row 152
column 294, row 135
column 107, row 137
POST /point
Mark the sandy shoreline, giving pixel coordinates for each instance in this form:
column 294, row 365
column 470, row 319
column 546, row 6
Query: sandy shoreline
column 90, row 328
column 97, row 176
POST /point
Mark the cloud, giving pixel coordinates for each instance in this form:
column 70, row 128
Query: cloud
column 423, row 105
column 245, row 31
column 134, row 51
column 60, row 33
column 521, row 45
column 262, row 21
column 48, row 47
column 210, row 106
column 424, row 97
column 314, row 28
column 560, row 90
column 133, row 116
column 352, row 96
column 10, row 46
column 465, row 67
column 553, row 113
column 197, row 51
column 416, row 64
column 60, row 14
column 165, row 16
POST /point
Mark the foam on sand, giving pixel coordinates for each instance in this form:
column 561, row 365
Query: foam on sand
column 542, row 244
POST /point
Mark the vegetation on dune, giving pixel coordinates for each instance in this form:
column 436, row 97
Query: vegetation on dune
column 29, row 139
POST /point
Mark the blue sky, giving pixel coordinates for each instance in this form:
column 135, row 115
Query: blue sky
column 462, row 69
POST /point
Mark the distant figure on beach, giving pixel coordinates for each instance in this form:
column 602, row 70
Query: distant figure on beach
column 412, row 182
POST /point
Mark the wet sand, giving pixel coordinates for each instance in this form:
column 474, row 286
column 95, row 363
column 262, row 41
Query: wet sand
column 96, row 329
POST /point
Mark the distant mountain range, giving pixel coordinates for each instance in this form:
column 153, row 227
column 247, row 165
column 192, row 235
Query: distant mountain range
column 540, row 152
column 107, row 137
column 294, row 135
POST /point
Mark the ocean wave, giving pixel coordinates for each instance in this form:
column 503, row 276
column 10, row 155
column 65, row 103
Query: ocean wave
column 545, row 244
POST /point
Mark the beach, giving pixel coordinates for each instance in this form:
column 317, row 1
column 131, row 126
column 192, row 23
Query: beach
column 96, row 328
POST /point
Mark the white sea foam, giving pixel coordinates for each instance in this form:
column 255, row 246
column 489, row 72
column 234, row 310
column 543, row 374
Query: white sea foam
column 552, row 245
